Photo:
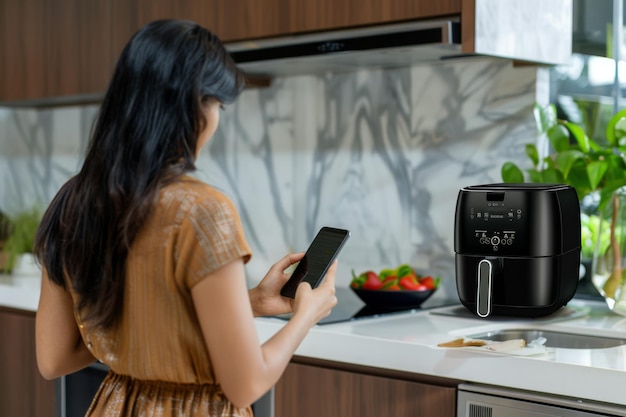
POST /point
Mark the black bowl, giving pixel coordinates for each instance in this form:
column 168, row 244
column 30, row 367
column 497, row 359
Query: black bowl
column 393, row 300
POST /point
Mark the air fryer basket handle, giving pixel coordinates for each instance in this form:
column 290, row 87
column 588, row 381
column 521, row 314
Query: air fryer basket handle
column 483, row 295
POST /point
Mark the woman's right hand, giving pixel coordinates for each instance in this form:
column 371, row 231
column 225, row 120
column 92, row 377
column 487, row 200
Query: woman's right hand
column 315, row 304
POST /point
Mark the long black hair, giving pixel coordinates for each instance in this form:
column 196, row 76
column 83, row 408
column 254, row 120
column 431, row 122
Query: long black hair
column 145, row 136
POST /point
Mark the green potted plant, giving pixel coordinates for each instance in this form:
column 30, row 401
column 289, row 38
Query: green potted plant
column 4, row 234
column 594, row 168
column 22, row 229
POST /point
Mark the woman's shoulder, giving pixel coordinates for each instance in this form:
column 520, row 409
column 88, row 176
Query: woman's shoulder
column 187, row 194
column 189, row 184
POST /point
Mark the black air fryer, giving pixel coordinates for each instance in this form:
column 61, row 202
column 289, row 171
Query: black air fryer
column 517, row 248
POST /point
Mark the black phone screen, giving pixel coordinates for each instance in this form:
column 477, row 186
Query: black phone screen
column 317, row 258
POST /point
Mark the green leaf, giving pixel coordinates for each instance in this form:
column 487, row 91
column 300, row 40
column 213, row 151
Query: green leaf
column 545, row 117
column 616, row 128
column 579, row 179
column 616, row 167
column 535, row 176
column 595, row 172
column 559, row 137
column 606, row 192
column 511, row 173
column 549, row 163
column 533, row 153
column 23, row 228
column 551, row 175
column 566, row 159
column 580, row 136
column 605, row 198
column 620, row 132
column 610, row 187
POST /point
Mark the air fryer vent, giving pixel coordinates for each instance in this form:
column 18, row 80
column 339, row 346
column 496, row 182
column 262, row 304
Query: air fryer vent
column 476, row 410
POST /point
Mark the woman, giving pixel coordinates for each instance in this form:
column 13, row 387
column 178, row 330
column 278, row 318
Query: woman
column 143, row 265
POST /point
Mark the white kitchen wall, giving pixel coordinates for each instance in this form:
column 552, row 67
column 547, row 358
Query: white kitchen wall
column 381, row 152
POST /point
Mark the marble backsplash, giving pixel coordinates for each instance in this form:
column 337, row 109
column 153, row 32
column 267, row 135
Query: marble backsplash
column 382, row 153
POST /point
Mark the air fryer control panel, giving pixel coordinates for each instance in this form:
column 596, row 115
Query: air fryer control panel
column 496, row 225
column 517, row 220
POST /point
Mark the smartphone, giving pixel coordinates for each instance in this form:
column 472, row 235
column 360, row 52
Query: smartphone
column 317, row 258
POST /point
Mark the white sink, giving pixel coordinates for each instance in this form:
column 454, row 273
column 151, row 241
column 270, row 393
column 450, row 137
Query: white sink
column 554, row 339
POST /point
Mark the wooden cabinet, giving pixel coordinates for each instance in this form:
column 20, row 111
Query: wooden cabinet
column 130, row 15
column 328, row 14
column 244, row 19
column 78, row 56
column 23, row 392
column 235, row 20
column 68, row 48
column 312, row 388
column 52, row 48
column 22, row 49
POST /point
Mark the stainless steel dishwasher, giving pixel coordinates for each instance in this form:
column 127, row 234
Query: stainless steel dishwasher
column 474, row 400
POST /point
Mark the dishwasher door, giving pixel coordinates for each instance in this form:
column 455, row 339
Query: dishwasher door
column 474, row 400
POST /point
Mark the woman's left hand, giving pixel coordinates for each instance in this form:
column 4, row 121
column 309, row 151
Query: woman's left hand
column 265, row 298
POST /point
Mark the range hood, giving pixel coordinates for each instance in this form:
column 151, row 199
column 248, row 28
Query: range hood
column 387, row 46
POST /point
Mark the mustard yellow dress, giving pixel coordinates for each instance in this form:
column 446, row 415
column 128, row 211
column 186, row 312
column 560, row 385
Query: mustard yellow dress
column 159, row 363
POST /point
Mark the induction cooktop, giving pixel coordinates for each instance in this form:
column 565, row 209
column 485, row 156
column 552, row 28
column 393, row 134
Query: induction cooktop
column 350, row 307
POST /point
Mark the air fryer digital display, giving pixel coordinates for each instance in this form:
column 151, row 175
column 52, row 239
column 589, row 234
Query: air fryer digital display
column 495, row 226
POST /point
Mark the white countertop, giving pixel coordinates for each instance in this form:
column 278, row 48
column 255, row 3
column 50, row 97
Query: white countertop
column 408, row 342
column 20, row 292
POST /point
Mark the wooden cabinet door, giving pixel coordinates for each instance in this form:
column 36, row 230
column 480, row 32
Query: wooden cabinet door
column 23, row 392
column 22, row 49
column 248, row 19
column 128, row 16
column 232, row 19
column 329, row 14
column 78, row 47
column 313, row 391
column 53, row 48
